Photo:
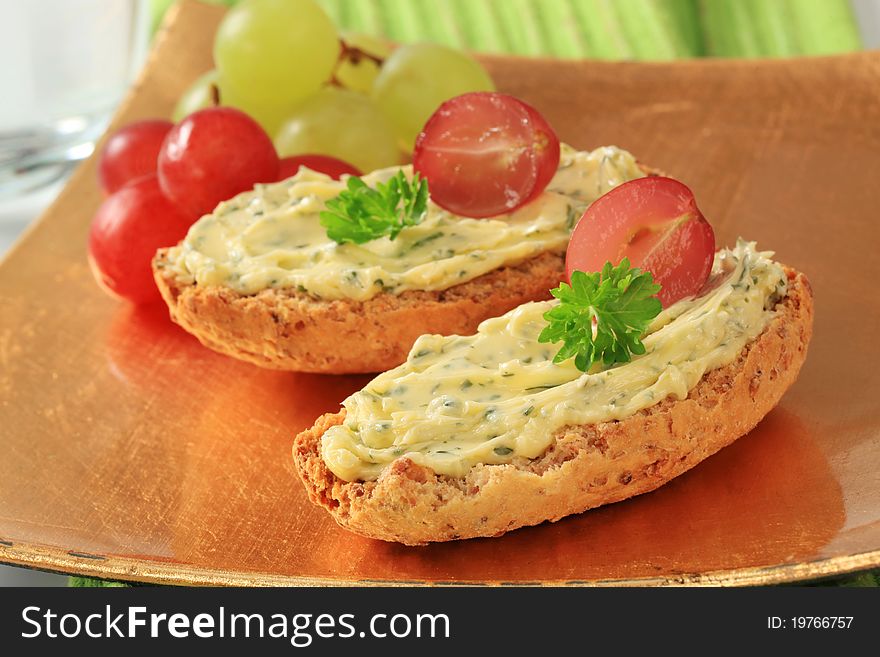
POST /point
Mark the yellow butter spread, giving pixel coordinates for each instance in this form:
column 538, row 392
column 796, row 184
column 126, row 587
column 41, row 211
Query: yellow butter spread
column 497, row 395
column 271, row 237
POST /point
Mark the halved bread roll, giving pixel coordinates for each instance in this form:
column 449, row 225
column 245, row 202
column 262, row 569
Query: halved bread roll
column 585, row 466
column 288, row 326
column 286, row 329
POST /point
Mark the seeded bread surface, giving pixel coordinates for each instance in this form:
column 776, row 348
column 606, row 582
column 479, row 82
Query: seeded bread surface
column 586, row 466
column 290, row 330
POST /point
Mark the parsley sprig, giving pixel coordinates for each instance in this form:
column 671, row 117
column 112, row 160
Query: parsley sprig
column 362, row 213
column 601, row 316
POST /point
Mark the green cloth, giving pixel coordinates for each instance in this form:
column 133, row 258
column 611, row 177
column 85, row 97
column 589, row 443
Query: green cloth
column 601, row 29
column 93, row 583
column 573, row 29
column 864, row 578
column 648, row 30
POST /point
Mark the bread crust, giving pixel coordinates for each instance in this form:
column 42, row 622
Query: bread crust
column 286, row 329
column 290, row 330
column 586, row 466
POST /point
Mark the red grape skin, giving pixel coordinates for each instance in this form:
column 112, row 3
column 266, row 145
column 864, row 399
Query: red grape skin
column 653, row 221
column 549, row 141
column 128, row 228
column 486, row 154
column 212, row 155
column 131, row 153
column 331, row 166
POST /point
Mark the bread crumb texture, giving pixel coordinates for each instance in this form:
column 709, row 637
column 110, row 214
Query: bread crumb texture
column 286, row 329
column 586, row 466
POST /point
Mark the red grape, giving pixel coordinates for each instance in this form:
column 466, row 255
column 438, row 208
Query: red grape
column 549, row 162
column 653, row 221
column 332, row 166
column 212, row 155
column 486, row 154
column 125, row 233
column 130, row 153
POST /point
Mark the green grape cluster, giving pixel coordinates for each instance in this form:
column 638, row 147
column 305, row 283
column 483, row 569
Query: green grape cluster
column 348, row 96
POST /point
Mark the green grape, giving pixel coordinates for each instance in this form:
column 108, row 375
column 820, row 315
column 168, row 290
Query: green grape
column 416, row 78
column 157, row 13
column 359, row 75
column 268, row 115
column 275, row 52
column 342, row 124
column 199, row 96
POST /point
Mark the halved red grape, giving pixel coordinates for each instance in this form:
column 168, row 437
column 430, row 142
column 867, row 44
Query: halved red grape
column 486, row 154
column 212, row 155
column 549, row 163
column 131, row 153
column 332, row 166
column 125, row 233
column 653, row 221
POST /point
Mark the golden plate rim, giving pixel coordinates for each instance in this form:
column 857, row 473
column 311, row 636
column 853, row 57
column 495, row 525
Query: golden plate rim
column 155, row 572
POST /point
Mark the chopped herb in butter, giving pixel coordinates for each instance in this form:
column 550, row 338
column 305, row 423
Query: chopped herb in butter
column 497, row 395
column 272, row 237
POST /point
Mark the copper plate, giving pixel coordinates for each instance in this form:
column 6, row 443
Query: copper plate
column 128, row 450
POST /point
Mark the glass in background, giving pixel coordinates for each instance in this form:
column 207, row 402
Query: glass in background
column 868, row 15
column 65, row 66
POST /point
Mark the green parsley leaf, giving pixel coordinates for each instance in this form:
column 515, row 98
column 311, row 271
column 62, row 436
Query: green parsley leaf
column 602, row 316
column 362, row 213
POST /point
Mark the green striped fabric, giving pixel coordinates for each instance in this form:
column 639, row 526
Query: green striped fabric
column 604, row 29
column 610, row 29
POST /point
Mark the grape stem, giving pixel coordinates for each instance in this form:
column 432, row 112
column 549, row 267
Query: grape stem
column 354, row 55
column 215, row 95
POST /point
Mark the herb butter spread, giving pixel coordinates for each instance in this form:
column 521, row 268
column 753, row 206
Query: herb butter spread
column 271, row 237
column 497, row 395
